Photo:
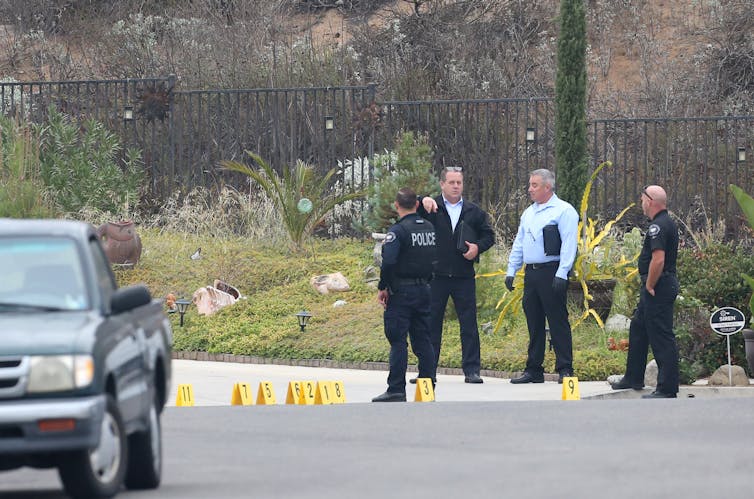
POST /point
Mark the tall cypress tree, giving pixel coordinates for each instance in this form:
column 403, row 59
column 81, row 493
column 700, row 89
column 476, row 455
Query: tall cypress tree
column 570, row 103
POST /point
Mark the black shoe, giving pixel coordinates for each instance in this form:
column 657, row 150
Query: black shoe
column 390, row 397
column 659, row 395
column 564, row 373
column 473, row 378
column 413, row 380
column 527, row 377
column 624, row 384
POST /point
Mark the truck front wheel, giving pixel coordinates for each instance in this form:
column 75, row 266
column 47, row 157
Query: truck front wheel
column 98, row 472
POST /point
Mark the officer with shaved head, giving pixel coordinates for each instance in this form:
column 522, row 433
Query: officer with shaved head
column 652, row 323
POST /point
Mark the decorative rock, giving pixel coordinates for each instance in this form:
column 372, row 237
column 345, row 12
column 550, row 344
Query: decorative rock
column 614, row 378
column 339, row 303
column 209, row 300
column 720, row 377
column 323, row 284
column 650, row 374
column 617, row 323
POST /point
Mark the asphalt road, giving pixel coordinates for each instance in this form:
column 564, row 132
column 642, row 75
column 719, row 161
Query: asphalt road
column 691, row 448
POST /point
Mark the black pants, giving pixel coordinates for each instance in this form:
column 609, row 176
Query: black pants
column 652, row 325
column 407, row 312
column 463, row 292
column 541, row 302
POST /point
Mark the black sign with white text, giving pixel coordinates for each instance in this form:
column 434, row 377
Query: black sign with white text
column 727, row 321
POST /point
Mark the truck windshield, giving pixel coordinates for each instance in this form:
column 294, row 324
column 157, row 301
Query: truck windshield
column 41, row 273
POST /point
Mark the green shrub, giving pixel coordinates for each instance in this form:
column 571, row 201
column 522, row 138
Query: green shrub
column 712, row 275
column 21, row 189
column 84, row 167
column 409, row 166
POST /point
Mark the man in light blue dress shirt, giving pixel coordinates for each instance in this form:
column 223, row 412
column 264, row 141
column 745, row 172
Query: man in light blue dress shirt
column 546, row 244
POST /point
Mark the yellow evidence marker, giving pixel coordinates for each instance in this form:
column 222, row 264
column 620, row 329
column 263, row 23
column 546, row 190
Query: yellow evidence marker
column 571, row 388
column 323, row 394
column 185, row 396
column 294, row 392
column 307, row 393
column 241, row 395
column 266, row 395
column 425, row 391
column 339, row 392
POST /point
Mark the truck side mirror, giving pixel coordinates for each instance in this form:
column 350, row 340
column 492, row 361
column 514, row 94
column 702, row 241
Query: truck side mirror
column 129, row 298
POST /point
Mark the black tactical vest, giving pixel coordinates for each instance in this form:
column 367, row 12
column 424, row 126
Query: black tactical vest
column 418, row 249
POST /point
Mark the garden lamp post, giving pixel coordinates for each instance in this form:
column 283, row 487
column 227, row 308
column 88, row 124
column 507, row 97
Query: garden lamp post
column 741, row 154
column 329, row 123
column 303, row 318
column 128, row 113
column 182, row 305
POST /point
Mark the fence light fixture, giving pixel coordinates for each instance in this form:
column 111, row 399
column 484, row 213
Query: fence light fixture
column 128, row 113
column 530, row 135
column 329, row 123
column 741, row 154
column 182, row 305
column 303, row 319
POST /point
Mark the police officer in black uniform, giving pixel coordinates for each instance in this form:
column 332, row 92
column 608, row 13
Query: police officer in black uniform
column 408, row 256
column 652, row 323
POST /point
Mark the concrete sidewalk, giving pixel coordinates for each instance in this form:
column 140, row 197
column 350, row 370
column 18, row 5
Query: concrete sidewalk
column 213, row 382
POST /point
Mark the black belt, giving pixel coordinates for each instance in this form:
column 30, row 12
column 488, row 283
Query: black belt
column 410, row 281
column 535, row 266
column 643, row 277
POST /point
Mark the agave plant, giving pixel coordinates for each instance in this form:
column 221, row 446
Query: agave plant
column 287, row 191
column 746, row 203
column 599, row 257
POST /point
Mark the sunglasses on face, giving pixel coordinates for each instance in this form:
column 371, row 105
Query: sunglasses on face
column 644, row 191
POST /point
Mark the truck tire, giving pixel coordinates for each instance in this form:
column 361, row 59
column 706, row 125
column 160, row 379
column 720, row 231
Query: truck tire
column 98, row 472
column 145, row 453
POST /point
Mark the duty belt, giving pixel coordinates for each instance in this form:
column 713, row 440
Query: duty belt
column 410, row 281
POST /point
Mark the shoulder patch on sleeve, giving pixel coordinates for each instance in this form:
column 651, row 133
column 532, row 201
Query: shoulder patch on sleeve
column 389, row 237
column 653, row 230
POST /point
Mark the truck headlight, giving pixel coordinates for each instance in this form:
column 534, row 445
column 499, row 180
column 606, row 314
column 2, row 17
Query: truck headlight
column 54, row 373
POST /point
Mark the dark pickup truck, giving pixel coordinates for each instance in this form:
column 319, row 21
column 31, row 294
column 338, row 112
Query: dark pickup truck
column 84, row 366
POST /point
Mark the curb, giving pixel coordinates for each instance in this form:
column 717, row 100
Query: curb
column 332, row 364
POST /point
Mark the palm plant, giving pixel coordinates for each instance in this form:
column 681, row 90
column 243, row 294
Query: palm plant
column 287, row 191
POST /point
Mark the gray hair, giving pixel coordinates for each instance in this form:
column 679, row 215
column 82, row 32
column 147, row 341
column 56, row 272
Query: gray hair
column 546, row 175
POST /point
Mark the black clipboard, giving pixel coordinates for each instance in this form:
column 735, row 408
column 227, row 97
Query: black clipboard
column 464, row 232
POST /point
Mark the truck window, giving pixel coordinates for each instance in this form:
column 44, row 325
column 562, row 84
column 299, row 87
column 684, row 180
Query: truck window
column 42, row 272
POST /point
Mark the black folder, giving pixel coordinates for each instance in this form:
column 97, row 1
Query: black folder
column 552, row 240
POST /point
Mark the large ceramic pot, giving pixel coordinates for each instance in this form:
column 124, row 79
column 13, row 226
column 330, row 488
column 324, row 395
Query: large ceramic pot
column 749, row 345
column 602, row 292
column 120, row 241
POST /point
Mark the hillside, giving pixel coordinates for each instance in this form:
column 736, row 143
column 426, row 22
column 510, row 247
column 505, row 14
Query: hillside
column 667, row 57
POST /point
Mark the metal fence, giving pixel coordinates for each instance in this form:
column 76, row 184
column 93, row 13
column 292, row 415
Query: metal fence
column 694, row 158
column 137, row 110
column 183, row 136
